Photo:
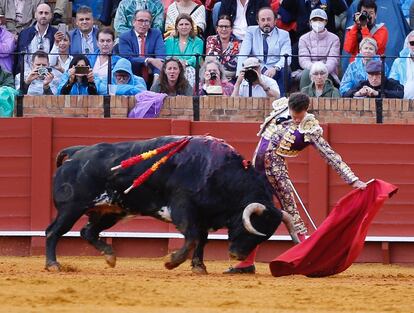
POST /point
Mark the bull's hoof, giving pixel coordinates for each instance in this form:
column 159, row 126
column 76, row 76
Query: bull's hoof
column 110, row 259
column 53, row 267
column 170, row 265
column 199, row 269
column 169, row 262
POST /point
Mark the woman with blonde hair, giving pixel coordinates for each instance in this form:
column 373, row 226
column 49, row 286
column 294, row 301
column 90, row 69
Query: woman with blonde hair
column 356, row 71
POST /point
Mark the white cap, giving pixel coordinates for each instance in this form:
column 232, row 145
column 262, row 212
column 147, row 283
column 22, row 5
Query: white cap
column 318, row 13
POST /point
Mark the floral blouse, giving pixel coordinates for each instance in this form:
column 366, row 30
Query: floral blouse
column 227, row 57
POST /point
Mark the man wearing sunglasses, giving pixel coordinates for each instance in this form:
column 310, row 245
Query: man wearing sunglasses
column 40, row 36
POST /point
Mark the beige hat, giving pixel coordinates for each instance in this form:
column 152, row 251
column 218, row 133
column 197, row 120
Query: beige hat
column 251, row 62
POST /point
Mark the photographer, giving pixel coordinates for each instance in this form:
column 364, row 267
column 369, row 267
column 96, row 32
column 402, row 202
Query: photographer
column 364, row 26
column 80, row 80
column 40, row 80
column 261, row 85
column 213, row 79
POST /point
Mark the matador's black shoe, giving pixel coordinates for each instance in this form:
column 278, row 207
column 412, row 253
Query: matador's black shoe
column 241, row 270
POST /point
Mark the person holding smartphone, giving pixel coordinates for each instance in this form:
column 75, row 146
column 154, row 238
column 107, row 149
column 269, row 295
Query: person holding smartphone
column 80, row 80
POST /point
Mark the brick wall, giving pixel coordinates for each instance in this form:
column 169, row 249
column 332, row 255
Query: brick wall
column 343, row 110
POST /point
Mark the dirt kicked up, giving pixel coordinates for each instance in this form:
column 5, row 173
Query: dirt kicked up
column 143, row 285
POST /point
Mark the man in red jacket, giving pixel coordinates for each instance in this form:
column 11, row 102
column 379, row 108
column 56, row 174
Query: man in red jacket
column 364, row 26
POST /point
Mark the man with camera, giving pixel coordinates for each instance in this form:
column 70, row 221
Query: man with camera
column 40, row 79
column 251, row 83
column 364, row 26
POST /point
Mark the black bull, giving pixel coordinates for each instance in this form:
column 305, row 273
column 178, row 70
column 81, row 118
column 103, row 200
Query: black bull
column 203, row 187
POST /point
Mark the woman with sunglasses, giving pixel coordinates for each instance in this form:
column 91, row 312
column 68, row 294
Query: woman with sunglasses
column 172, row 80
column 402, row 69
column 185, row 45
column 224, row 45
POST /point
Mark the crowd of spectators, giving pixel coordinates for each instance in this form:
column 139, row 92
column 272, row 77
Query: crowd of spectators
column 242, row 48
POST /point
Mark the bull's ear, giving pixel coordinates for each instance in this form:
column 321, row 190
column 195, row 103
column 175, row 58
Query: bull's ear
column 255, row 208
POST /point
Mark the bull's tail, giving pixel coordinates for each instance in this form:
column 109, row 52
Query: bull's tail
column 67, row 153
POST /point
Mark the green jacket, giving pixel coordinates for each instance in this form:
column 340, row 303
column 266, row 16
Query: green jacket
column 6, row 79
column 329, row 91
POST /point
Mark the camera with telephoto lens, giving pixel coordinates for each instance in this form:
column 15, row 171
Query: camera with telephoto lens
column 42, row 71
column 250, row 75
column 363, row 17
column 213, row 76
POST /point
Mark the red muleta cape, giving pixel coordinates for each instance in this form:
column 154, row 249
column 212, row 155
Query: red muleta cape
column 339, row 239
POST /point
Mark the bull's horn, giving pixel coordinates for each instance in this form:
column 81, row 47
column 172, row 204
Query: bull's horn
column 248, row 211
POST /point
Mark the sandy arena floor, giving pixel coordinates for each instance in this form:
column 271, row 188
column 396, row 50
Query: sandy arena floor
column 143, row 285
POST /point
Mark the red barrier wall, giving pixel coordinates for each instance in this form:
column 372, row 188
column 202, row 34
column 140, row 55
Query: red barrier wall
column 28, row 147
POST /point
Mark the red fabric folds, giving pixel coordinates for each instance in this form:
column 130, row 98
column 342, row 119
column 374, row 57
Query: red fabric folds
column 339, row 239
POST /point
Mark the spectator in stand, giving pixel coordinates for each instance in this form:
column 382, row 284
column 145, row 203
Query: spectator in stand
column 299, row 11
column 371, row 87
column 196, row 11
column 59, row 57
column 19, row 14
column 40, row 36
column 39, row 79
column 402, row 69
column 225, row 46
column 320, row 86
column 213, row 79
column 268, row 44
column 77, row 81
column 6, row 78
column 185, row 44
column 143, row 47
column 84, row 37
column 319, row 45
column 61, row 6
column 99, row 60
column 262, row 85
column 7, row 46
column 364, row 26
column 356, row 72
column 243, row 13
column 172, row 79
column 125, row 82
column 294, row 17
column 125, row 14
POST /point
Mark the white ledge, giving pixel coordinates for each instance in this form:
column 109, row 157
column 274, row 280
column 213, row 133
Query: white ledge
column 109, row 234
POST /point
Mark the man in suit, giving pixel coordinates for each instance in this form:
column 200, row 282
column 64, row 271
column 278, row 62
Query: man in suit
column 143, row 46
column 83, row 37
column 39, row 36
column 268, row 43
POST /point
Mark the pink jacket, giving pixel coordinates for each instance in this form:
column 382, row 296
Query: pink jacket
column 317, row 47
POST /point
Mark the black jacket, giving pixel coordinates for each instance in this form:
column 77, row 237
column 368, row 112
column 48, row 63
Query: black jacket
column 229, row 7
column 392, row 89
